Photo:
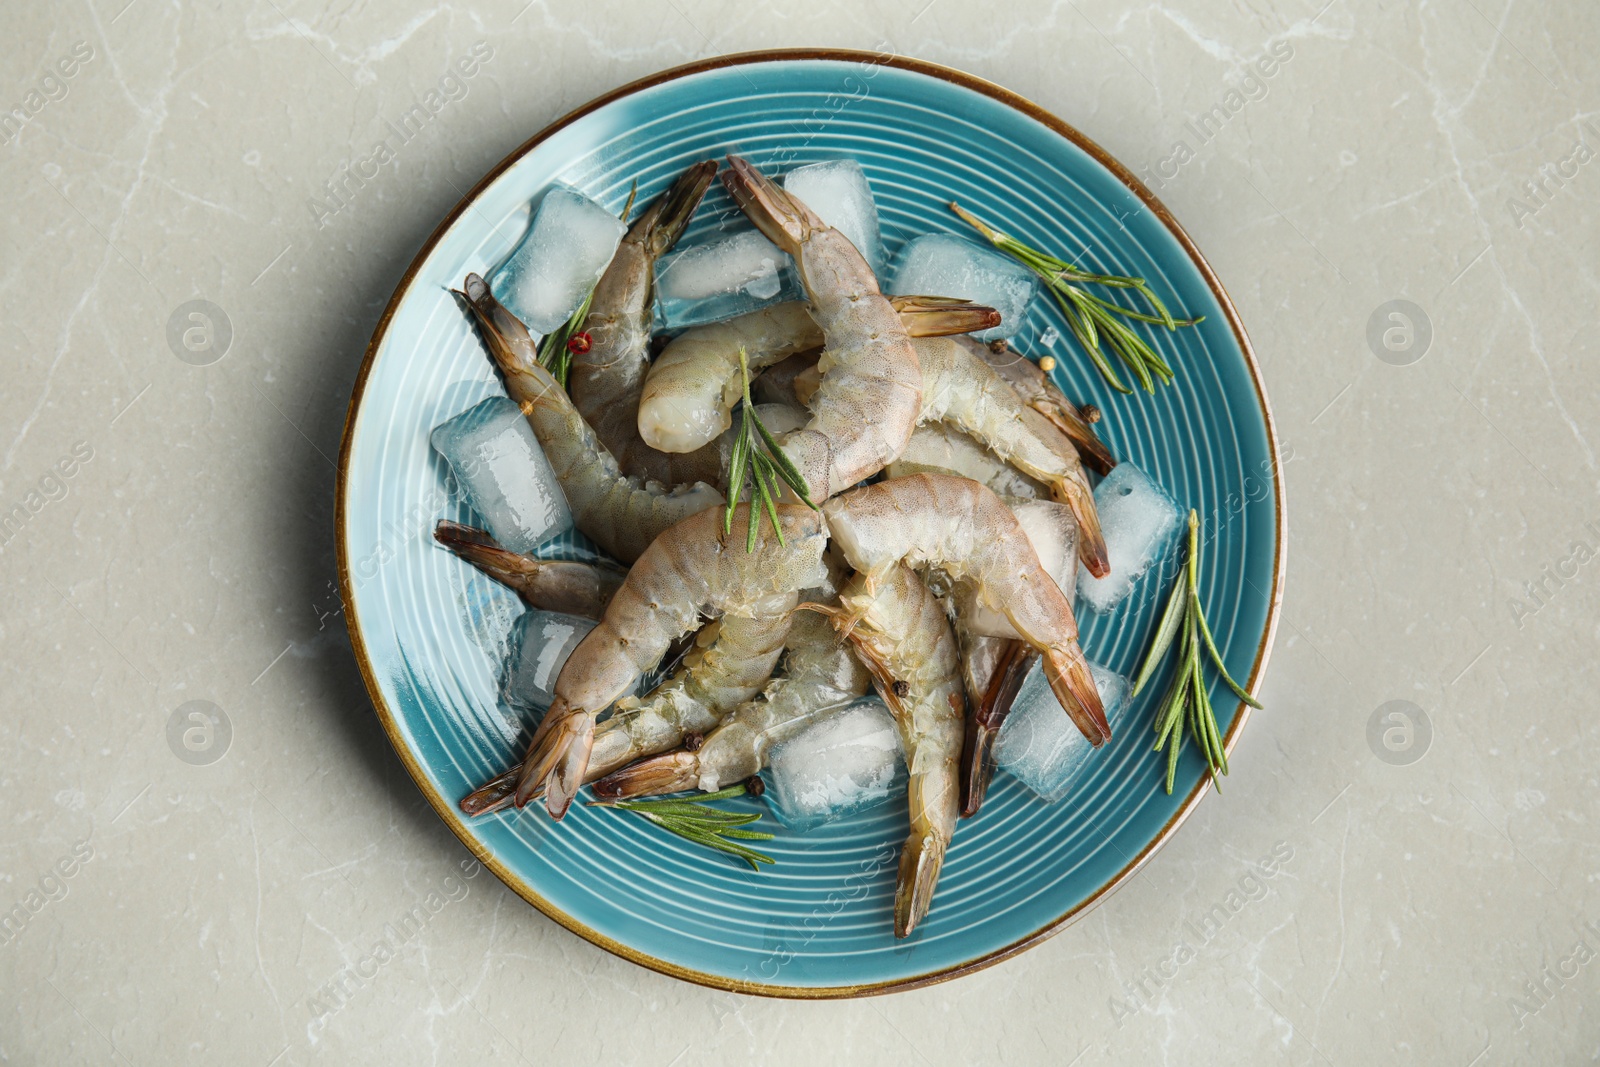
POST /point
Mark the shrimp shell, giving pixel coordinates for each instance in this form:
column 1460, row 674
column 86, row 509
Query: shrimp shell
column 694, row 385
column 731, row 659
column 938, row 448
column 961, row 389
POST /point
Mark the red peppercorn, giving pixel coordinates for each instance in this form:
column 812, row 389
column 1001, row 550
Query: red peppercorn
column 579, row 343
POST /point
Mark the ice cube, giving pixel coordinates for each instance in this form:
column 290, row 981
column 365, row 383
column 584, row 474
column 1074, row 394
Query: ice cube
column 540, row 644
column 942, row 264
column 567, row 248
column 507, row 480
column 1040, row 745
column 838, row 191
column 1138, row 519
column 848, row 762
column 728, row 275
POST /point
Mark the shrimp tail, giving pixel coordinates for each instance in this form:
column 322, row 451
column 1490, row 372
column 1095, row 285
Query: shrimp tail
column 670, row 772
column 920, row 862
column 567, row 777
column 983, row 724
column 1073, row 684
column 1071, row 422
column 666, row 219
column 562, row 742
column 942, row 316
column 1076, row 494
column 482, row 551
column 781, row 218
column 509, row 341
column 494, row 795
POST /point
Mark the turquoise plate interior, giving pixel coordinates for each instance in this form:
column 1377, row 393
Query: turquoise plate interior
column 430, row 632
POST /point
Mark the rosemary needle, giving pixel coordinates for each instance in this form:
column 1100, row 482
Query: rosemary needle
column 757, row 455
column 694, row 820
column 1187, row 700
column 1095, row 323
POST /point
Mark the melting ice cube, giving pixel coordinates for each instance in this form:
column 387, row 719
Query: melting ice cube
column 838, row 191
column 540, row 645
column 507, row 480
column 942, row 264
column 1138, row 519
column 728, row 275
column 567, row 248
column 1040, row 745
column 845, row 763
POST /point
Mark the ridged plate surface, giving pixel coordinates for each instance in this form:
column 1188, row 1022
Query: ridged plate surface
column 430, row 632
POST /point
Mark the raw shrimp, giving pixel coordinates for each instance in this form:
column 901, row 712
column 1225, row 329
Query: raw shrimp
column 871, row 389
column 690, row 570
column 1040, row 393
column 731, row 660
column 606, row 380
column 821, row 676
column 939, row 448
column 901, row 633
column 995, row 667
column 623, row 515
column 963, row 528
column 961, row 389
column 693, row 386
column 582, row 589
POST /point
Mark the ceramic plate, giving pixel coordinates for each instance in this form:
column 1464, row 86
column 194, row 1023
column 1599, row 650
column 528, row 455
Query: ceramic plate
column 430, row 633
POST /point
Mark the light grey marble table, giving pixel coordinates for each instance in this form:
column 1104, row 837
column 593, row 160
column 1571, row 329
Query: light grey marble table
column 174, row 540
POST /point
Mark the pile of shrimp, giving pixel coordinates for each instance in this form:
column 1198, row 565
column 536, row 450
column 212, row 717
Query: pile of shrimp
column 948, row 482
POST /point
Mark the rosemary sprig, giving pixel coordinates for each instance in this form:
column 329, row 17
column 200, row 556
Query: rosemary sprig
column 1091, row 319
column 555, row 350
column 694, row 821
column 1187, row 699
column 757, row 454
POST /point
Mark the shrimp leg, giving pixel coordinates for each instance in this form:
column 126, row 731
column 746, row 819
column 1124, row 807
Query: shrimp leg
column 622, row 514
column 966, row 530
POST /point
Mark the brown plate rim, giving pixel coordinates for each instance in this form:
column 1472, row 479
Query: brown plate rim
column 447, row 810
